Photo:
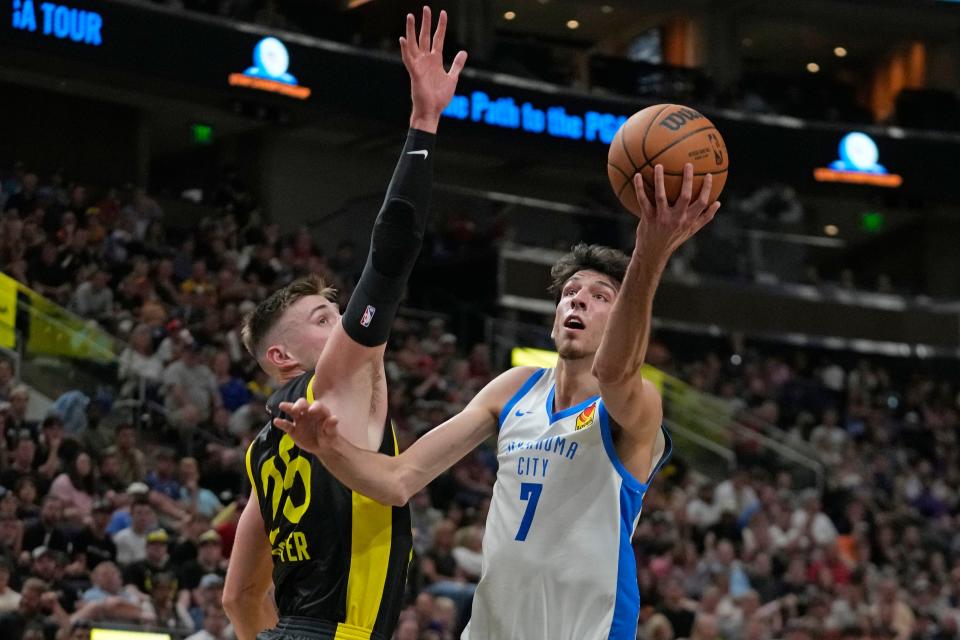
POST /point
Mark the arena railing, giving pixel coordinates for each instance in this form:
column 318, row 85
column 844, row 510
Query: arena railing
column 56, row 351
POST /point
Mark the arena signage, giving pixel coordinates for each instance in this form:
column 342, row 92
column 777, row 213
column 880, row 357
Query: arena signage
column 858, row 164
column 554, row 121
column 58, row 21
column 269, row 71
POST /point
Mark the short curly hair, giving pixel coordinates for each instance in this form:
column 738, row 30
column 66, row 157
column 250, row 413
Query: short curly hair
column 262, row 319
column 594, row 257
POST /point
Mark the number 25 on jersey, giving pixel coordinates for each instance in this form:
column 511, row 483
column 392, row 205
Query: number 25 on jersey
column 275, row 484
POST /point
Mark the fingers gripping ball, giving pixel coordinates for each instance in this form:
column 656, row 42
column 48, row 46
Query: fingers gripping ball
column 671, row 135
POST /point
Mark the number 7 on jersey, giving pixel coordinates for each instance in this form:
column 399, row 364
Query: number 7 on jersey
column 529, row 491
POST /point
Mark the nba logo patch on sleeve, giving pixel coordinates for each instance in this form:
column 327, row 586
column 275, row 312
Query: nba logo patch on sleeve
column 368, row 316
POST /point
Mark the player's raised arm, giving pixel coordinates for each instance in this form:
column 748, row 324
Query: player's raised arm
column 634, row 404
column 352, row 359
column 393, row 480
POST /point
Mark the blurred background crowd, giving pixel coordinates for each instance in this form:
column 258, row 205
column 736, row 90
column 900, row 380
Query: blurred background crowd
column 106, row 520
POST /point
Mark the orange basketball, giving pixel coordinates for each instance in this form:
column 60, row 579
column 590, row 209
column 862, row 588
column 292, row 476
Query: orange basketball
column 671, row 135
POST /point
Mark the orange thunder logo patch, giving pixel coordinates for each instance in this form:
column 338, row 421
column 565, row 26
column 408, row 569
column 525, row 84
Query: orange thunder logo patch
column 586, row 417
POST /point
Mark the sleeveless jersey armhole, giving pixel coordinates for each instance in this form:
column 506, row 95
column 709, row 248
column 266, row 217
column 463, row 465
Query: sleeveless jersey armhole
column 522, row 391
column 628, row 478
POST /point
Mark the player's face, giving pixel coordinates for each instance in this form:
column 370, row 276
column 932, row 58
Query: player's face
column 306, row 328
column 582, row 313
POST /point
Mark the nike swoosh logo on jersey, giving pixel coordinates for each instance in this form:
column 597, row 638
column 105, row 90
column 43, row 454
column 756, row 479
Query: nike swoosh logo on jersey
column 418, row 152
column 520, row 414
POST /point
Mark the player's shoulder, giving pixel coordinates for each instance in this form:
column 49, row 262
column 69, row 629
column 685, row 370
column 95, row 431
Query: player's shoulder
column 516, row 377
column 291, row 390
column 502, row 388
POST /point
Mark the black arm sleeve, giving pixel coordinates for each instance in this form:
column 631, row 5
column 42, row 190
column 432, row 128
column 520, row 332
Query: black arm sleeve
column 394, row 245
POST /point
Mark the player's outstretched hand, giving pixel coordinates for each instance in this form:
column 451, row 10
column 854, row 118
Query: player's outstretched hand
column 431, row 86
column 312, row 426
column 663, row 227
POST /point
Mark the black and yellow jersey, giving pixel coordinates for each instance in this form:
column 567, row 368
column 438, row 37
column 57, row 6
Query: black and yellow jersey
column 338, row 556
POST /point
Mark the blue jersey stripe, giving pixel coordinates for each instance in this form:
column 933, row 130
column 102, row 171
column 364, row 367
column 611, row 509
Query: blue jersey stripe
column 626, row 609
column 628, row 478
column 569, row 411
column 522, row 391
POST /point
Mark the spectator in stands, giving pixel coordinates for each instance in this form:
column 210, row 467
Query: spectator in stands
column 423, row 518
column 467, row 554
column 193, row 497
column 6, row 379
column 190, row 388
column 17, row 420
column 815, row 526
column 139, row 362
column 209, row 593
column 161, row 606
column 77, row 259
column 50, row 565
column 76, row 488
column 209, row 561
column 47, row 531
column 679, row 610
column 130, row 460
column 440, row 570
column 24, row 199
column 140, row 213
column 46, row 275
column 142, row 574
column 93, row 545
column 20, row 464
column 215, row 625
column 9, row 599
column 132, row 541
column 38, row 606
column 11, row 537
column 108, row 475
column 26, row 494
column 94, row 299
column 163, row 479
column 702, row 511
column 48, row 457
column 108, row 600
column 233, row 392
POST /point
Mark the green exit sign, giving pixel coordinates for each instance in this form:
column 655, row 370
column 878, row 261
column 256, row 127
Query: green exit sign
column 872, row 221
column 202, row 133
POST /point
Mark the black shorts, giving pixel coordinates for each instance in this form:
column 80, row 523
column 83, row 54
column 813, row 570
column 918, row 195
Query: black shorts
column 297, row 628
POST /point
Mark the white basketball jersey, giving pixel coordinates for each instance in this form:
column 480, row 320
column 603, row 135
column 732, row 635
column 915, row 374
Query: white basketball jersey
column 557, row 558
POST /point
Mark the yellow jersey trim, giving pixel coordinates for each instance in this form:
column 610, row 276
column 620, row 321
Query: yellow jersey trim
column 253, row 483
column 350, row 632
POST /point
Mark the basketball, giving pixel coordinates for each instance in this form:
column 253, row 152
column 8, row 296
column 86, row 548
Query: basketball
column 671, row 135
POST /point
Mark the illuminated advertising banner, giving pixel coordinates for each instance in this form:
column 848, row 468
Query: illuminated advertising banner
column 214, row 61
column 552, row 120
column 58, row 21
column 858, row 164
column 269, row 71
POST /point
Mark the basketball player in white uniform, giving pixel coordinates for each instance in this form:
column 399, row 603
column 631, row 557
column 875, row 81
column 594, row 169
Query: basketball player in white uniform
column 577, row 445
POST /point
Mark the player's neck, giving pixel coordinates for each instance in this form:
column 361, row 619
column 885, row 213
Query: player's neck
column 286, row 375
column 574, row 383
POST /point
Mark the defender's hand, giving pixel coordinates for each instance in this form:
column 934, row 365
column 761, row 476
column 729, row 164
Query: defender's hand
column 431, row 87
column 313, row 428
column 663, row 227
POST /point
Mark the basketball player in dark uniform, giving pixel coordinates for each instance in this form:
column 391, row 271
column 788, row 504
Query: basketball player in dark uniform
column 337, row 559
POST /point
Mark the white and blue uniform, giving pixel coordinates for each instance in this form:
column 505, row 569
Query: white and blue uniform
column 557, row 558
